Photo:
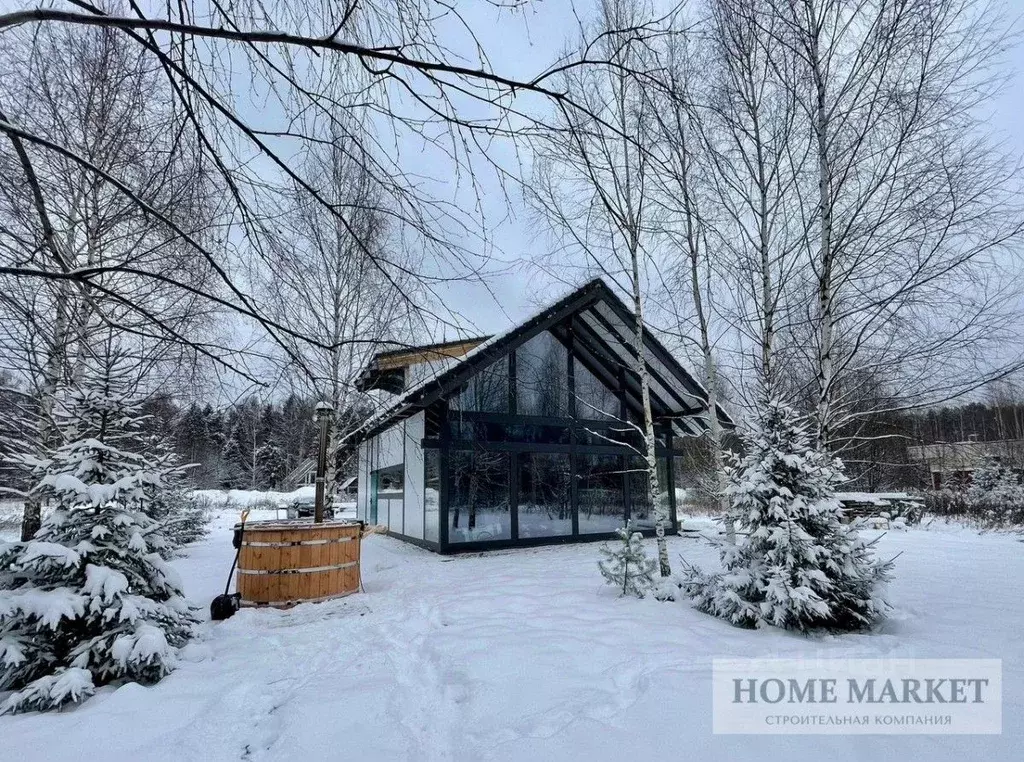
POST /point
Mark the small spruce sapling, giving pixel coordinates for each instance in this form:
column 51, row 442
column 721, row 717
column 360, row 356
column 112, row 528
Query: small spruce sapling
column 627, row 565
column 996, row 495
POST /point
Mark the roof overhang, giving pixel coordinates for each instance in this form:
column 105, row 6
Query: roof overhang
column 387, row 370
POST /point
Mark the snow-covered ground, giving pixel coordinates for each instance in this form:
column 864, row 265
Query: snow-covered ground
column 523, row 655
column 248, row 497
column 264, row 504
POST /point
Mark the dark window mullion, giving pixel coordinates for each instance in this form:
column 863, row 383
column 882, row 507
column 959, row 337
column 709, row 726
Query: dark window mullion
column 513, row 384
column 571, row 370
column 443, row 475
column 670, row 477
column 513, row 494
column 626, row 497
column 624, row 459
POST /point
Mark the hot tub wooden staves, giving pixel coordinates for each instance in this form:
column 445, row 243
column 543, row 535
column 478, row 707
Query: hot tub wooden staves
column 283, row 563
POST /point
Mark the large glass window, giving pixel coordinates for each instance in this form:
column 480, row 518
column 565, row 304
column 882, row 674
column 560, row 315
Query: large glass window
column 542, row 377
column 594, row 400
column 388, row 495
column 486, row 391
column 602, row 501
column 478, row 498
column 683, row 486
column 468, row 430
column 465, row 429
column 641, row 514
column 545, row 506
column 431, row 494
column 540, row 433
column 613, row 433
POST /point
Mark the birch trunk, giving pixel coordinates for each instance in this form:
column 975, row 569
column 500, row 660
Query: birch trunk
column 32, row 516
column 825, row 360
column 692, row 161
column 661, row 517
column 714, row 424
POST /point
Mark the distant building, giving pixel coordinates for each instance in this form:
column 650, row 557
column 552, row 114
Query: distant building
column 951, row 463
column 302, row 475
column 347, row 488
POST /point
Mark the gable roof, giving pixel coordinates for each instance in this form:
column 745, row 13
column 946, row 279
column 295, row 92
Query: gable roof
column 604, row 336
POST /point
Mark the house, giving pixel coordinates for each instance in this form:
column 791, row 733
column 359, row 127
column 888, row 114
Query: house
column 347, row 489
column 304, row 475
column 952, row 463
column 526, row 438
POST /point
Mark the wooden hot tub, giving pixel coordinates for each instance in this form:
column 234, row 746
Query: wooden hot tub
column 283, row 563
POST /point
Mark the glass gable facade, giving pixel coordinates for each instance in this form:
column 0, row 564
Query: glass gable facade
column 486, row 392
column 544, row 505
column 534, row 436
column 534, row 449
column 479, row 505
column 542, row 377
column 601, row 493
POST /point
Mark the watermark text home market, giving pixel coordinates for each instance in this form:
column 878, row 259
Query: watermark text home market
column 960, row 690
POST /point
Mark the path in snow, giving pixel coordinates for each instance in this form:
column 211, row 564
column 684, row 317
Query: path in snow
column 522, row 655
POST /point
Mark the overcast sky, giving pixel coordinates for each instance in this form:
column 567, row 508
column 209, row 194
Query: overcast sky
column 519, row 43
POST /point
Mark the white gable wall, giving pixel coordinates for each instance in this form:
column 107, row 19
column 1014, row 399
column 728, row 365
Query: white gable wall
column 397, row 445
column 414, row 430
column 363, row 485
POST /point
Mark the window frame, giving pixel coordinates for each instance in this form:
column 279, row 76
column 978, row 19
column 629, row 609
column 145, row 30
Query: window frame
column 447, row 443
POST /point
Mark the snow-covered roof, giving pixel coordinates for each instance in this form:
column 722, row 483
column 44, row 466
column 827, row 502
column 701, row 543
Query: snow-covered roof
column 880, row 499
column 409, row 364
column 604, row 318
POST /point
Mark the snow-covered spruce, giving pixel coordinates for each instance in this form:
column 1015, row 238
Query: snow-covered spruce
column 995, row 495
column 90, row 600
column 798, row 566
column 626, row 565
column 183, row 516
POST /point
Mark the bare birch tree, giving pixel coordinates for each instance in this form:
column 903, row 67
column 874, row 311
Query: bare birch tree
column 593, row 182
column 311, row 65
column 755, row 162
column 866, row 225
column 914, row 211
column 687, row 202
column 325, row 286
column 94, row 91
column 728, row 173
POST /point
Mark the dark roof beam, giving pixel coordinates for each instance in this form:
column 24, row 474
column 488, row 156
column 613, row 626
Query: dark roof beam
column 658, row 384
column 589, row 335
column 621, row 327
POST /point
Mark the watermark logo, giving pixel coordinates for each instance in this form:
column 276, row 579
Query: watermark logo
column 838, row 696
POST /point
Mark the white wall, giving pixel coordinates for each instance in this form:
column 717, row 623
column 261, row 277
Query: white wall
column 363, row 484
column 389, row 448
column 384, row 450
column 414, row 430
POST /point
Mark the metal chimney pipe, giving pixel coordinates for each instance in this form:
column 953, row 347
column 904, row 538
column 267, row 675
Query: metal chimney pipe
column 323, row 415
